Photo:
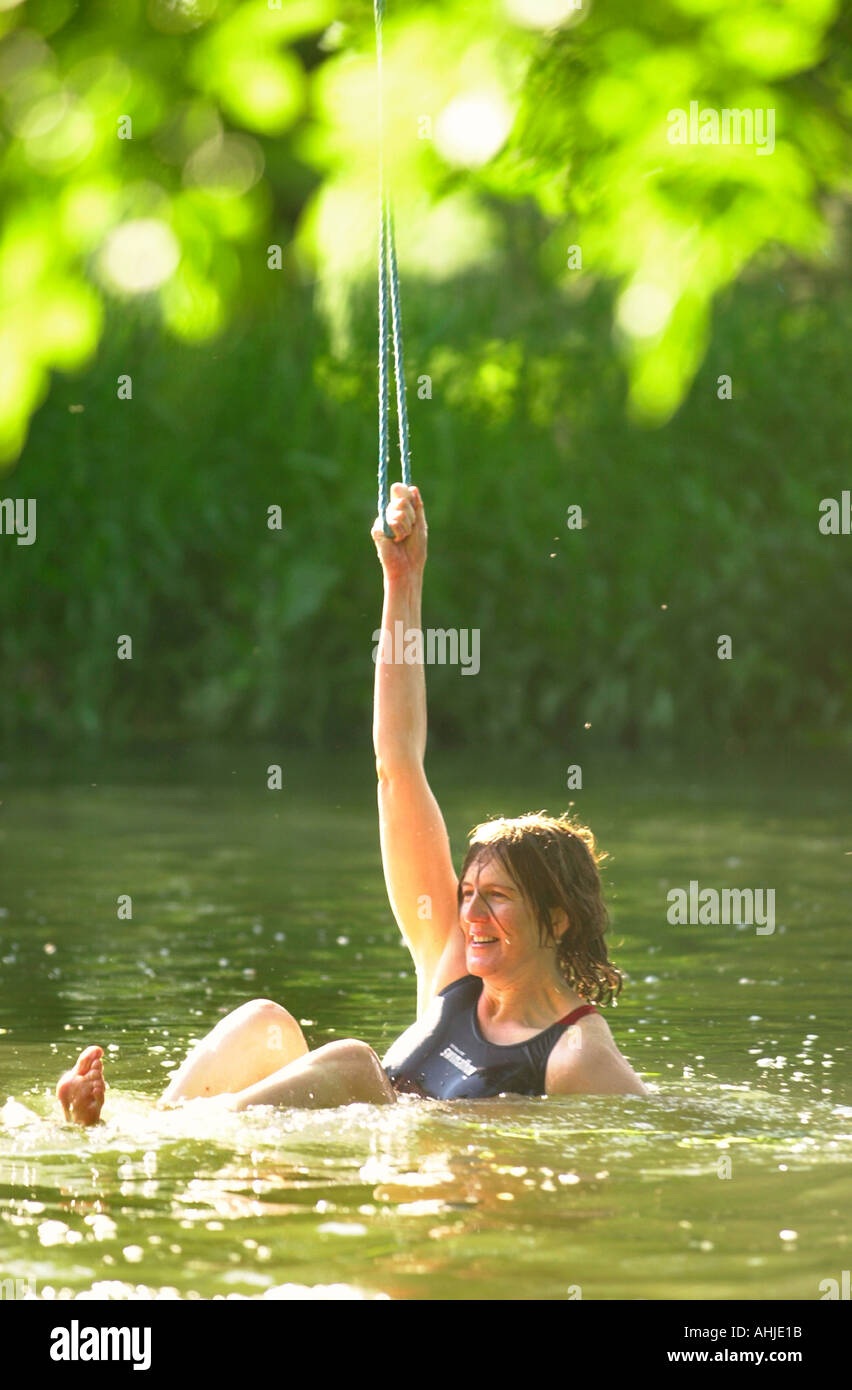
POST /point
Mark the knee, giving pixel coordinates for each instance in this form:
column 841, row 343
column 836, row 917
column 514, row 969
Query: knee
column 362, row 1057
column 264, row 1008
column 260, row 1036
column 356, row 1071
column 260, row 1008
column 258, row 1015
column 354, row 1053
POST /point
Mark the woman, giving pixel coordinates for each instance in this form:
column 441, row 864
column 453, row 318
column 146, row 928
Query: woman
column 507, row 958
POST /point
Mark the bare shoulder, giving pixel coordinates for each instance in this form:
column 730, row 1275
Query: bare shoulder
column 586, row 1061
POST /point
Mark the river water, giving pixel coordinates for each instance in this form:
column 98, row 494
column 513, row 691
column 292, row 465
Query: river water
column 732, row 1180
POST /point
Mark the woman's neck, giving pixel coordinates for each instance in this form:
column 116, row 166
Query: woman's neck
column 531, row 1002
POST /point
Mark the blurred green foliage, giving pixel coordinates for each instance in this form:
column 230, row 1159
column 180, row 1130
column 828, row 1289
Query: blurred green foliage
column 152, row 521
column 162, row 149
column 222, row 256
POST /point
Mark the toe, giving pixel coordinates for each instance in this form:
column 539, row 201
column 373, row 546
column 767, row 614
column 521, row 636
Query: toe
column 87, row 1059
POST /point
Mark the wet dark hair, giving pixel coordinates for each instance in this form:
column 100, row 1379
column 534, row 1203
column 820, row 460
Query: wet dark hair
column 554, row 862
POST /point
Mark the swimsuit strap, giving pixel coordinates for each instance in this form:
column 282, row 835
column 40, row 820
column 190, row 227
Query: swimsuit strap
column 578, row 1013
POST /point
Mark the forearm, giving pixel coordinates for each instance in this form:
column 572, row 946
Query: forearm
column 399, row 706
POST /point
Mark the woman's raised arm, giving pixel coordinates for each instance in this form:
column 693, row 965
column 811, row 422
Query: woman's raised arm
column 418, row 866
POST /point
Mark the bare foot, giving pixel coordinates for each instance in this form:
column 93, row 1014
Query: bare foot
column 81, row 1090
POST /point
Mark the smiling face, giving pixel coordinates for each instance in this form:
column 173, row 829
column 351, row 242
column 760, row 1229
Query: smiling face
column 549, row 930
column 500, row 928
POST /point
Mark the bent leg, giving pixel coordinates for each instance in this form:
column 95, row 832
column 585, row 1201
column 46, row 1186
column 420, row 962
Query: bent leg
column 247, row 1045
column 340, row 1073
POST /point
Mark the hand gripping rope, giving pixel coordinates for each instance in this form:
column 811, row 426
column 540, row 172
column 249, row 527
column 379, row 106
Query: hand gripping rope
column 388, row 281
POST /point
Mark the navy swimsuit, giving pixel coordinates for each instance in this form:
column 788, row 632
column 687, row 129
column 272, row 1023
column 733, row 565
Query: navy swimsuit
column 445, row 1056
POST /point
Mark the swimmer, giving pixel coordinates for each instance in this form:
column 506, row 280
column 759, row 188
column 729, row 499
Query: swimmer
column 510, row 956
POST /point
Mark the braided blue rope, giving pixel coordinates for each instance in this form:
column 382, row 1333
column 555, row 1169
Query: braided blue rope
column 388, row 278
column 399, row 365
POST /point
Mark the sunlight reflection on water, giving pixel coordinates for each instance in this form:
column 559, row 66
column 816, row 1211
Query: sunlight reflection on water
column 731, row 1178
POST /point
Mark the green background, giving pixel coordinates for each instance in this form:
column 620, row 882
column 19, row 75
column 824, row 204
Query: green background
column 254, row 386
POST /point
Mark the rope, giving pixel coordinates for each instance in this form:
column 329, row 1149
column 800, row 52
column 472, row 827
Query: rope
column 388, row 280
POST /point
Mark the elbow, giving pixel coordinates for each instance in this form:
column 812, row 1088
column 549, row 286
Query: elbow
column 385, row 771
column 397, row 769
